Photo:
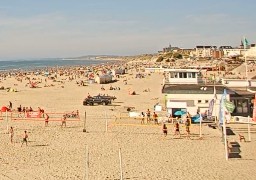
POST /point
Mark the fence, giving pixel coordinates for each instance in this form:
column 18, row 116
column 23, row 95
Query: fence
column 39, row 116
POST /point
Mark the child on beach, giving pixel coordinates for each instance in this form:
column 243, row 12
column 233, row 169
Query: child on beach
column 46, row 120
column 63, row 120
column 165, row 130
column 25, row 138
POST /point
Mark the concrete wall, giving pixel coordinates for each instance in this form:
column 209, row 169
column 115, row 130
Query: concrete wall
column 202, row 106
column 238, row 82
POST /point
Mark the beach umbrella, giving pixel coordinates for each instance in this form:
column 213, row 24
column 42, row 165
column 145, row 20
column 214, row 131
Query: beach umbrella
column 4, row 108
column 196, row 118
column 179, row 113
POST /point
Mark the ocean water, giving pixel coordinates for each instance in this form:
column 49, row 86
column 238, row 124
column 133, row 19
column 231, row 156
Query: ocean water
column 44, row 63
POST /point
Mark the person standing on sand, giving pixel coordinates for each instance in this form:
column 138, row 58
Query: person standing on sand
column 155, row 117
column 63, row 120
column 46, row 120
column 177, row 129
column 142, row 118
column 187, row 124
column 165, row 130
column 11, row 134
column 10, row 105
column 25, row 138
column 148, row 116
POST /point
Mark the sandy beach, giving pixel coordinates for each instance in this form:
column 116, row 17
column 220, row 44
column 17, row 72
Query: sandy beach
column 60, row 153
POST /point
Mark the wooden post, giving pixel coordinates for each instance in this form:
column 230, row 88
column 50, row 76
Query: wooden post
column 120, row 164
column 84, row 130
column 200, row 127
column 225, row 135
column 86, row 177
column 7, row 123
column 106, row 121
column 249, row 129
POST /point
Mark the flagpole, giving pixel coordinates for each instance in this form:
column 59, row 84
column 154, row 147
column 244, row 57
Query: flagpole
column 222, row 120
column 245, row 61
column 249, row 129
column 225, row 135
column 215, row 101
column 200, row 116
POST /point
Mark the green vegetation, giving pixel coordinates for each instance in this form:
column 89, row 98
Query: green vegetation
column 177, row 55
column 160, row 59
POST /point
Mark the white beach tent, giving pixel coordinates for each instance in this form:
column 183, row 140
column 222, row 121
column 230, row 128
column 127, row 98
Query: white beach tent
column 233, row 54
column 118, row 71
column 103, row 79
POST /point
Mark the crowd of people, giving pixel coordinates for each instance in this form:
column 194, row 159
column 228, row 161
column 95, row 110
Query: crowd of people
column 175, row 121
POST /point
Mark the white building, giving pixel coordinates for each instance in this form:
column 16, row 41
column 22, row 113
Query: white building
column 183, row 90
column 182, row 76
column 204, row 51
column 233, row 52
column 251, row 53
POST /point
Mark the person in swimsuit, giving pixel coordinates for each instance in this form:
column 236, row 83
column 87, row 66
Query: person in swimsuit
column 25, row 138
column 142, row 118
column 165, row 130
column 155, row 116
column 177, row 129
column 46, row 120
column 187, row 124
column 148, row 116
column 11, row 134
column 63, row 120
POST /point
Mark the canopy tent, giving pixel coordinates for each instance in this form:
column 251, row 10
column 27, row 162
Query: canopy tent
column 4, row 109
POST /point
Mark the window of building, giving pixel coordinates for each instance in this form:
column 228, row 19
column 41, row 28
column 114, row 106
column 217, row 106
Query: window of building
column 174, row 75
column 241, row 106
column 193, row 75
column 206, row 101
column 189, row 75
column 199, row 101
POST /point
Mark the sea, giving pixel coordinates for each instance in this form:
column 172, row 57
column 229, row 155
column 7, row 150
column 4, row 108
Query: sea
column 32, row 64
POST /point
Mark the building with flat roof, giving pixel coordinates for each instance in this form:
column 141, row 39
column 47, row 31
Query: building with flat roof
column 183, row 89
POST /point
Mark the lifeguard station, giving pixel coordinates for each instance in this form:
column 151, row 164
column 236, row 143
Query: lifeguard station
column 186, row 90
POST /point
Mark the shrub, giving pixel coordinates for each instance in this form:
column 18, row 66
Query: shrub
column 159, row 59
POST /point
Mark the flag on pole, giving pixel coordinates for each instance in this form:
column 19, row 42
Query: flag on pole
column 214, row 92
column 221, row 113
column 229, row 106
column 210, row 110
column 246, row 43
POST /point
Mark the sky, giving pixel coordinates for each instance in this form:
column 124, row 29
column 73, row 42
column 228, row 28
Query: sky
column 72, row 28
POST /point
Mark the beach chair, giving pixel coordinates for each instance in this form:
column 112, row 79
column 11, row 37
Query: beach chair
column 241, row 137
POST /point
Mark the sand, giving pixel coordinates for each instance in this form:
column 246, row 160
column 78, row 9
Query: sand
column 60, row 153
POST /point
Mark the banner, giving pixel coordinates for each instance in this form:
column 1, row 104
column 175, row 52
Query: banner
column 229, row 106
column 33, row 114
column 221, row 112
column 254, row 109
column 211, row 105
